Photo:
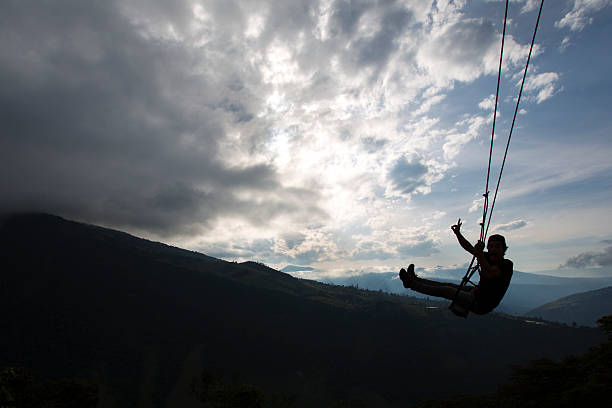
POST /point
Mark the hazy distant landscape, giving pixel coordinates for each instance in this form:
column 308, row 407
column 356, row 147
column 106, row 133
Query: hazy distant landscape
column 143, row 321
column 205, row 204
column 526, row 294
column 580, row 308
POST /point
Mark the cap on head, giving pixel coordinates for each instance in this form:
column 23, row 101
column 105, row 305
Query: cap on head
column 499, row 238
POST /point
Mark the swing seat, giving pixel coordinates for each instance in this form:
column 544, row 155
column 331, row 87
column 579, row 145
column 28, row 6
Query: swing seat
column 459, row 310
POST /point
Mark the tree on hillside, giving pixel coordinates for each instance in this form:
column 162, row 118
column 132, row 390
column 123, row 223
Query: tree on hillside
column 215, row 391
column 19, row 389
column 575, row 381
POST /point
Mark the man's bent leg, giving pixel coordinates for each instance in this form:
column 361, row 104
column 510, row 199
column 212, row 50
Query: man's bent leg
column 465, row 295
column 435, row 283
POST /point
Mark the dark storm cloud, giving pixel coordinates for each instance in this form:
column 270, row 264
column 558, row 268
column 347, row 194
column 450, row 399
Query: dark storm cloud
column 293, row 21
column 102, row 122
column 470, row 35
column 406, row 176
column 586, row 259
column 286, row 20
column 293, row 240
column 346, row 15
column 238, row 110
column 386, row 21
column 460, row 50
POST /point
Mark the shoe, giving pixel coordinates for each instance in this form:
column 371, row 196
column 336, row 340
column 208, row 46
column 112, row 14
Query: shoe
column 407, row 276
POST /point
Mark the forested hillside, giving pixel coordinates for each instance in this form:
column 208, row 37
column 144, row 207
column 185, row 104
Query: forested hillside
column 574, row 381
column 141, row 321
column 580, row 308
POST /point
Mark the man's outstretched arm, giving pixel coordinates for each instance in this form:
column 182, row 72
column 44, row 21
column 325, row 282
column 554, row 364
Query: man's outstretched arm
column 465, row 244
column 486, row 269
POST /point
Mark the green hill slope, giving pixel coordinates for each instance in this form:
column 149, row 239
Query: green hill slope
column 581, row 308
column 143, row 319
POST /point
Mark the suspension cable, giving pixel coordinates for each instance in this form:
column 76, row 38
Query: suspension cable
column 472, row 268
column 499, row 71
column 513, row 119
column 484, row 230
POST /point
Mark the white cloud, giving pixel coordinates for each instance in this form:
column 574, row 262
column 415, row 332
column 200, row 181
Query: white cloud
column 259, row 128
column 543, row 85
column 458, row 51
column 581, row 14
column 477, row 205
column 565, row 43
column 488, row 103
column 511, row 226
column 530, row 5
column 395, row 243
column 465, row 131
column 428, row 103
column 586, row 259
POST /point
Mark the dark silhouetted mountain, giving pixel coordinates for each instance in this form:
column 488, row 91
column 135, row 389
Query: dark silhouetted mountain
column 143, row 320
column 528, row 291
column 580, row 308
column 575, row 381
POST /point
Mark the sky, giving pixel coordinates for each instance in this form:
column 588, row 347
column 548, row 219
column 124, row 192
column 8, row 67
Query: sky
column 341, row 136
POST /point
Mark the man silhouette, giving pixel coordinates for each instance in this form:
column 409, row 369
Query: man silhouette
column 495, row 275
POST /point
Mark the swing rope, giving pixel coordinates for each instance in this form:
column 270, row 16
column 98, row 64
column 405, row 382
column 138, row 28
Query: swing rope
column 472, row 268
column 499, row 71
column 485, row 229
column 513, row 119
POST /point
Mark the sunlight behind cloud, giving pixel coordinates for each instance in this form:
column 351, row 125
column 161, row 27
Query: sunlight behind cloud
column 255, row 26
column 306, row 132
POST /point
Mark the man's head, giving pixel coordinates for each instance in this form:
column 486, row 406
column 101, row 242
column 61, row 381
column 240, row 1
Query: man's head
column 496, row 246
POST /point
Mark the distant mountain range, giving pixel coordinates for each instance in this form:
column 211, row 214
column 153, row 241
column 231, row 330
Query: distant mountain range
column 581, row 308
column 526, row 292
column 143, row 320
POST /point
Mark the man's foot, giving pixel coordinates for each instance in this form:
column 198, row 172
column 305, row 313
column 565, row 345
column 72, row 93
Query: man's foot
column 407, row 276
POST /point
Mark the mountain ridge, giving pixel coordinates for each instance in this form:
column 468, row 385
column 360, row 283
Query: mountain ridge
column 583, row 308
column 526, row 292
column 126, row 312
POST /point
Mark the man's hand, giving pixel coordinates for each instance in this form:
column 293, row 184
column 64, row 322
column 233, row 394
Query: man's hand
column 479, row 247
column 457, row 227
